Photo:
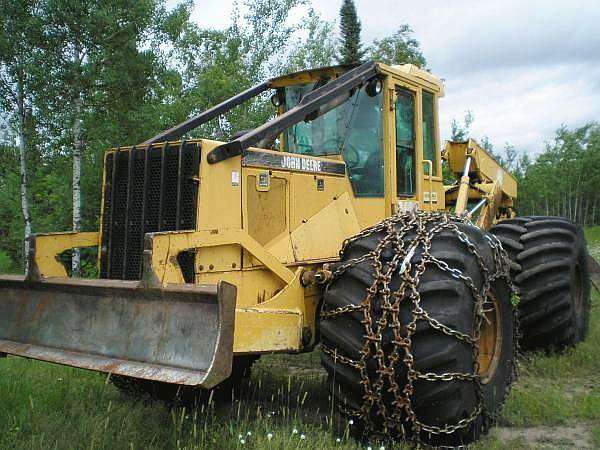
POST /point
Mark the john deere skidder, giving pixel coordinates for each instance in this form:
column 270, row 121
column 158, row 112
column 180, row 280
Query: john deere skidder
column 330, row 224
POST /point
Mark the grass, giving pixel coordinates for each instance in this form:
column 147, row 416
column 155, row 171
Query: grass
column 592, row 235
column 45, row 406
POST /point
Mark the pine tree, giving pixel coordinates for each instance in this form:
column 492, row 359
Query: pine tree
column 351, row 51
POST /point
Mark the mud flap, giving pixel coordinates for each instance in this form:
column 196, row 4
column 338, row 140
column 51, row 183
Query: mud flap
column 180, row 334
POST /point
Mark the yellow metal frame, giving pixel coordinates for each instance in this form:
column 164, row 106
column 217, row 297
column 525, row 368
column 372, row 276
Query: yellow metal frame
column 275, row 312
column 45, row 249
column 482, row 178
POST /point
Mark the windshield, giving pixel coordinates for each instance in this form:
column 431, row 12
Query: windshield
column 329, row 133
column 352, row 129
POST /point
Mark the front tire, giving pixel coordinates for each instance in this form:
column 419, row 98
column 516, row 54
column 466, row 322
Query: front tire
column 402, row 347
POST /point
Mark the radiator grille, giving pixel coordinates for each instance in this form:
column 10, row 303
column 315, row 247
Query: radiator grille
column 147, row 190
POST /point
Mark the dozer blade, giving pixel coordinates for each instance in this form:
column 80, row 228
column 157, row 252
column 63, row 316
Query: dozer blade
column 180, row 334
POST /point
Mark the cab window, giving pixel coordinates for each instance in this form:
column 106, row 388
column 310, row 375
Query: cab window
column 353, row 129
column 405, row 142
column 429, row 141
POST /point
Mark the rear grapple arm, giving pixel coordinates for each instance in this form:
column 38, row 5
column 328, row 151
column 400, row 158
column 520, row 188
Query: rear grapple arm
column 481, row 179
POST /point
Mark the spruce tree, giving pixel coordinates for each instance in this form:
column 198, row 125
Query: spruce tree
column 351, row 51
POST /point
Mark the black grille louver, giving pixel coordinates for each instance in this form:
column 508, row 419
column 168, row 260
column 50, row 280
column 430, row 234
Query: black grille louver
column 147, row 189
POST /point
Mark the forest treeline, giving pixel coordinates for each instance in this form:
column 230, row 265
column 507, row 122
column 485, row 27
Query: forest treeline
column 80, row 76
column 563, row 179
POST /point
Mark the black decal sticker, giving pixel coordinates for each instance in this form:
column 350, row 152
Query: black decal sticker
column 290, row 161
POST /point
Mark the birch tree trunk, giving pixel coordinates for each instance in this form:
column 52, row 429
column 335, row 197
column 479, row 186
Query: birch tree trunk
column 77, row 146
column 577, row 212
column 24, row 178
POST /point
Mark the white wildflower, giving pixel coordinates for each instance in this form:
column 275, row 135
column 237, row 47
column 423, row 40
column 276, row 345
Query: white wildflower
column 249, row 433
column 295, row 431
column 302, row 437
column 242, row 441
column 338, row 440
column 270, row 436
column 350, row 422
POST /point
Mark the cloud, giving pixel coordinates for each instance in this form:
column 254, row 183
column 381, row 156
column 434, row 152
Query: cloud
column 523, row 68
column 523, row 107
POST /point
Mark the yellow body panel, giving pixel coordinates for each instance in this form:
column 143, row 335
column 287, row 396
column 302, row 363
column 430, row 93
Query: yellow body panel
column 47, row 248
column 338, row 219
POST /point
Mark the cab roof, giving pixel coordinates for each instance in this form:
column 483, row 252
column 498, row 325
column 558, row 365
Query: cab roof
column 408, row 72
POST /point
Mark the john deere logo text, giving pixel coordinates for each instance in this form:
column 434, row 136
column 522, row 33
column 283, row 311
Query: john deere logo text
column 298, row 163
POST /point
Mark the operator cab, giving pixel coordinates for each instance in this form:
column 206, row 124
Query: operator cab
column 403, row 104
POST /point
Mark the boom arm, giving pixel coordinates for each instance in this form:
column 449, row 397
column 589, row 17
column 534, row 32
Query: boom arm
column 481, row 178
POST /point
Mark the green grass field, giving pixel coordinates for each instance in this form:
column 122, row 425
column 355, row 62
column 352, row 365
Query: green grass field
column 554, row 404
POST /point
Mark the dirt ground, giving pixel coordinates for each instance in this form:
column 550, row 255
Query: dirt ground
column 544, row 437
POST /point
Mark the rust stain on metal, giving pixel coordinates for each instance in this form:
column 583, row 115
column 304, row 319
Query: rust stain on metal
column 178, row 334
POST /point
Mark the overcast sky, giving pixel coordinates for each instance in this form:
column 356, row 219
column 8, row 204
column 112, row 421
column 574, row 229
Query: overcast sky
column 522, row 67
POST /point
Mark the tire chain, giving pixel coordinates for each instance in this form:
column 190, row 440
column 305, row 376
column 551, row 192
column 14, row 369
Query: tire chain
column 403, row 420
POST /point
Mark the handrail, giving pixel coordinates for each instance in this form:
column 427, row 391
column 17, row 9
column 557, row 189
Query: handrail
column 333, row 90
column 179, row 130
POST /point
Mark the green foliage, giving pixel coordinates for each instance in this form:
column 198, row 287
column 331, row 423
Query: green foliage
column 317, row 49
column 399, row 48
column 460, row 132
column 564, row 180
column 137, row 69
column 596, row 434
column 49, row 406
column 558, row 389
column 592, row 235
column 5, row 262
column 351, row 51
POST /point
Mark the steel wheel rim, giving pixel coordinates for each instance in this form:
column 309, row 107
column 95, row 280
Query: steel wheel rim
column 490, row 339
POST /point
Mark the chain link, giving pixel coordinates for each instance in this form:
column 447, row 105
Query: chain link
column 405, row 235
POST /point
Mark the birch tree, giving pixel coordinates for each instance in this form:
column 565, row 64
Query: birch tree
column 20, row 38
column 99, row 71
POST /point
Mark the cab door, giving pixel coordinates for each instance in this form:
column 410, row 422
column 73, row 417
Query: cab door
column 405, row 144
column 432, row 196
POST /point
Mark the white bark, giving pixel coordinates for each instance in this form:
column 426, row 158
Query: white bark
column 77, row 146
column 24, row 178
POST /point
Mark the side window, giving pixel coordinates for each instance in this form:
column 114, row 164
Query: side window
column 405, row 143
column 429, row 151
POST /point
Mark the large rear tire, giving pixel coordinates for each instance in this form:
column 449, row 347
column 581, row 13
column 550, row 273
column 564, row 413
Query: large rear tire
column 398, row 345
column 553, row 279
